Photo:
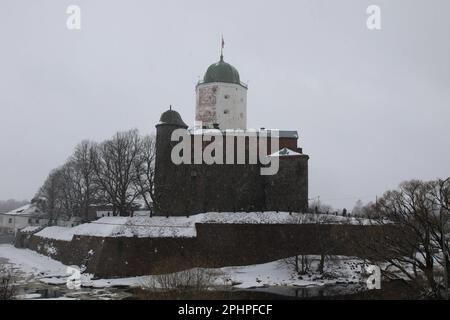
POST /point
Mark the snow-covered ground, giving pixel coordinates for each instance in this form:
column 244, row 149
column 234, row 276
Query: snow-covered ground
column 277, row 273
column 31, row 262
column 185, row 226
column 282, row 273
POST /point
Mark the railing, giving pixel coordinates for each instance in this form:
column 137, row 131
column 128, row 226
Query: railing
column 243, row 84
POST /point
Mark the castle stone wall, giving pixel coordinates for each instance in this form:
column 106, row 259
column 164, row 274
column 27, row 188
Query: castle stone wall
column 188, row 189
column 216, row 245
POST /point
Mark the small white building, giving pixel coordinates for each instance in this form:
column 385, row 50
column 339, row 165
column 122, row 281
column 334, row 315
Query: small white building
column 68, row 222
column 140, row 209
column 104, row 213
column 28, row 215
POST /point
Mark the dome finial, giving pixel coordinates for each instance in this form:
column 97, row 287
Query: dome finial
column 221, row 50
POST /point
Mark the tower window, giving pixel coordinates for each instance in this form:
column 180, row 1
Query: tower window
column 226, row 96
column 226, row 111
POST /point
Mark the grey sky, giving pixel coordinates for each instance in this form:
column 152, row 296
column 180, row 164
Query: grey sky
column 372, row 107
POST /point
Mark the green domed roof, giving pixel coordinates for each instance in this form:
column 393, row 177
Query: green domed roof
column 222, row 72
column 171, row 117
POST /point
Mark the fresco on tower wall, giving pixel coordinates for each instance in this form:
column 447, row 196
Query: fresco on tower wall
column 206, row 107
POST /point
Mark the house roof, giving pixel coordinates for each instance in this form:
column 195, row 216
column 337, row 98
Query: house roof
column 27, row 210
column 21, row 211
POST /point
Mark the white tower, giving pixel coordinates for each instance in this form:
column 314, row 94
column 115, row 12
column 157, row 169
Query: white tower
column 221, row 98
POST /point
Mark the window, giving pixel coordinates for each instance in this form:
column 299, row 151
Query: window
column 10, row 220
column 30, row 220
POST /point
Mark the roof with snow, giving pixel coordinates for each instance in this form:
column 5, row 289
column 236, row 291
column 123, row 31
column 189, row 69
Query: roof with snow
column 27, row 210
column 285, row 152
column 240, row 132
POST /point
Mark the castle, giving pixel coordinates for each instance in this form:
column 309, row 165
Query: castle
column 227, row 186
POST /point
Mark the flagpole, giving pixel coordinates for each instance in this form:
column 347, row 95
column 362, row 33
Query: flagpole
column 221, row 49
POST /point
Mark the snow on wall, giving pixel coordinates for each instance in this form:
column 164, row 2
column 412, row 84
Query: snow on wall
column 184, row 227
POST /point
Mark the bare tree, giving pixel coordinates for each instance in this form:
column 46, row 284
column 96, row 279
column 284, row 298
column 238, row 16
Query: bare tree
column 420, row 211
column 70, row 189
column 50, row 194
column 301, row 263
column 83, row 179
column 316, row 206
column 67, row 200
column 7, row 282
column 358, row 208
column 440, row 228
column 115, row 169
column 145, row 169
column 327, row 245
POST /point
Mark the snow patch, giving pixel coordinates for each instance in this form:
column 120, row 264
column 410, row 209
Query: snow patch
column 30, row 229
column 285, row 152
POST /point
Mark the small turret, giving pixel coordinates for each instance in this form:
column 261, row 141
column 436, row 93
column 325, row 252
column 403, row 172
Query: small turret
column 170, row 121
column 171, row 118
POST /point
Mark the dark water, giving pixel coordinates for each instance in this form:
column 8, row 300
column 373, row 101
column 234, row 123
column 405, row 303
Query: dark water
column 292, row 292
column 49, row 293
column 38, row 290
column 396, row 289
column 334, row 291
column 391, row 290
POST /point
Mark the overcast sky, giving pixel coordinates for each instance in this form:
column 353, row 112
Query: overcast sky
column 372, row 107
